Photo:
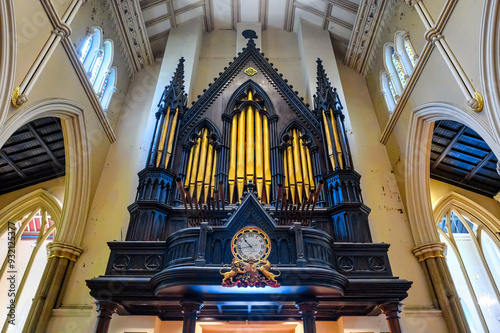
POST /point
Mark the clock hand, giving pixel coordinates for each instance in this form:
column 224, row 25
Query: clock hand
column 247, row 243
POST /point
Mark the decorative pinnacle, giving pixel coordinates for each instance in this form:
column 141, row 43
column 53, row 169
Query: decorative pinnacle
column 326, row 97
column 174, row 95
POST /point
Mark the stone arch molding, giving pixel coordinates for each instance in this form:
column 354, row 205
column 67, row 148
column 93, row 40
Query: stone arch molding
column 490, row 62
column 32, row 201
column 7, row 56
column 77, row 180
column 417, row 171
column 469, row 207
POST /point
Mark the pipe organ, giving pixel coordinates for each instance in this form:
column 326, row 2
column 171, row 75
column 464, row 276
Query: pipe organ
column 250, row 152
column 299, row 179
column 200, row 180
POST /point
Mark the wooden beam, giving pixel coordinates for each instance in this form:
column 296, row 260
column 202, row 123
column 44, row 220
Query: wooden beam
column 448, row 147
column 328, row 11
column 171, row 11
column 208, row 15
column 159, row 35
column 346, row 5
column 45, row 146
column 320, row 13
column 289, row 15
column 12, row 164
column 479, row 166
column 235, row 13
column 263, row 13
column 145, row 4
column 176, row 12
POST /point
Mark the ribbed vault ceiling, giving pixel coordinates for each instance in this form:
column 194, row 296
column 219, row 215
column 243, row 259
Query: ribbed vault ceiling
column 336, row 16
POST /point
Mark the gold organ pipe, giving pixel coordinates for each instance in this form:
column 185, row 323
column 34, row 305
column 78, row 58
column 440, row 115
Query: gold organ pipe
column 297, row 165
column 232, row 163
column 287, row 182
column 161, row 144
column 309, row 168
column 240, row 171
column 291, row 172
column 303, row 160
column 212, row 177
column 194, row 168
column 190, row 165
column 259, row 158
column 328, row 141
column 337, row 140
column 250, row 141
column 202, row 164
column 208, row 172
column 171, row 138
column 267, row 159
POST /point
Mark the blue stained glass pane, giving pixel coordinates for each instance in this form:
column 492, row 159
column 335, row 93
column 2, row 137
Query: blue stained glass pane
column 399, row 69
column 86, row 48
column 97, row 66
column 409, row 51
column 103, row 89
column 393, row 91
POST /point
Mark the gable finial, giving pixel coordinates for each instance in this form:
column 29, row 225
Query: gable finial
column 250, row 35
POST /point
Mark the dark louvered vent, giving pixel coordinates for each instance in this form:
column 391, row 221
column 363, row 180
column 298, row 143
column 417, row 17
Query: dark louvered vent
column 459, row 156
column 33, row 154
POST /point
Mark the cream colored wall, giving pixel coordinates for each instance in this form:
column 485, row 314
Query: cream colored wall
column 54, row 187
column 440, row 189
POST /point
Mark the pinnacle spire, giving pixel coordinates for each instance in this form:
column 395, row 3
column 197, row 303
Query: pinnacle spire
column 326, row 97
column 174, row 95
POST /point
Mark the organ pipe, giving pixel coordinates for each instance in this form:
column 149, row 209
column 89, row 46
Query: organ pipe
column 249, row 153
column 299, row 179
column 200, row 176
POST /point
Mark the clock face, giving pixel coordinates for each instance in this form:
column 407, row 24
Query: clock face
column 251, row 243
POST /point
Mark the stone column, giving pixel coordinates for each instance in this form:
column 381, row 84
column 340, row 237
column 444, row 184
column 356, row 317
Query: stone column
column 105, row 311
column 308, row 310
column 190, row 311
column 52, row 285
column 392, row 311
column 431, row 257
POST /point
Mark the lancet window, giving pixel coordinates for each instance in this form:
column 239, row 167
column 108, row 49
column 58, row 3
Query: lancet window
column 200, row 176
column 399, row 61
column 96, row 57
column 473, row 257
column 299, row 181
column 250, row 150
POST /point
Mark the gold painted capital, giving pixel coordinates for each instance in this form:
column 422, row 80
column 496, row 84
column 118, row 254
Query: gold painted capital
column 476, row 104
column 64, row 250
column 429, row 250
column 17, row 98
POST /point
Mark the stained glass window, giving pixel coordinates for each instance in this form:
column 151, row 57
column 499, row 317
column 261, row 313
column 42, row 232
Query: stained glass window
column 97, row 65
column 399, row 69
column 86, row 48
column 393, row 90
column 103, row 88
column 410, row 53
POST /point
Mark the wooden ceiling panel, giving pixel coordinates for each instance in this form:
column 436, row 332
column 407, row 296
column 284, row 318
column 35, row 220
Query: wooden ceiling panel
column 459, row 156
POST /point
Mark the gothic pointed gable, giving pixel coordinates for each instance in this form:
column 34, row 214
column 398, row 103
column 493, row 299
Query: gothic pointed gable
column 250, row 57
column 174, row 95
column 250, row 213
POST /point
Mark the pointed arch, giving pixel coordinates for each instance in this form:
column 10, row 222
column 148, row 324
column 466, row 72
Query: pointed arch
column 108, row 49
column 417, row 171
column 453, row 200
column 388, row 91
column 242, row 91
column 32, row 201
column 205, row 122
column 77, row 190
column 7, row 56
column 294, row 124
column 108, row 88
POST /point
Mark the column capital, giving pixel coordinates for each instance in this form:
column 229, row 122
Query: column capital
column 429, row 250
column 307, row 306
column 391, row 310
column 64, row 250
column 189, row 306
column 105, row 309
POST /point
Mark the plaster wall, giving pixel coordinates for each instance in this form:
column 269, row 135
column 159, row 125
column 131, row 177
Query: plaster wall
column 53, row 186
